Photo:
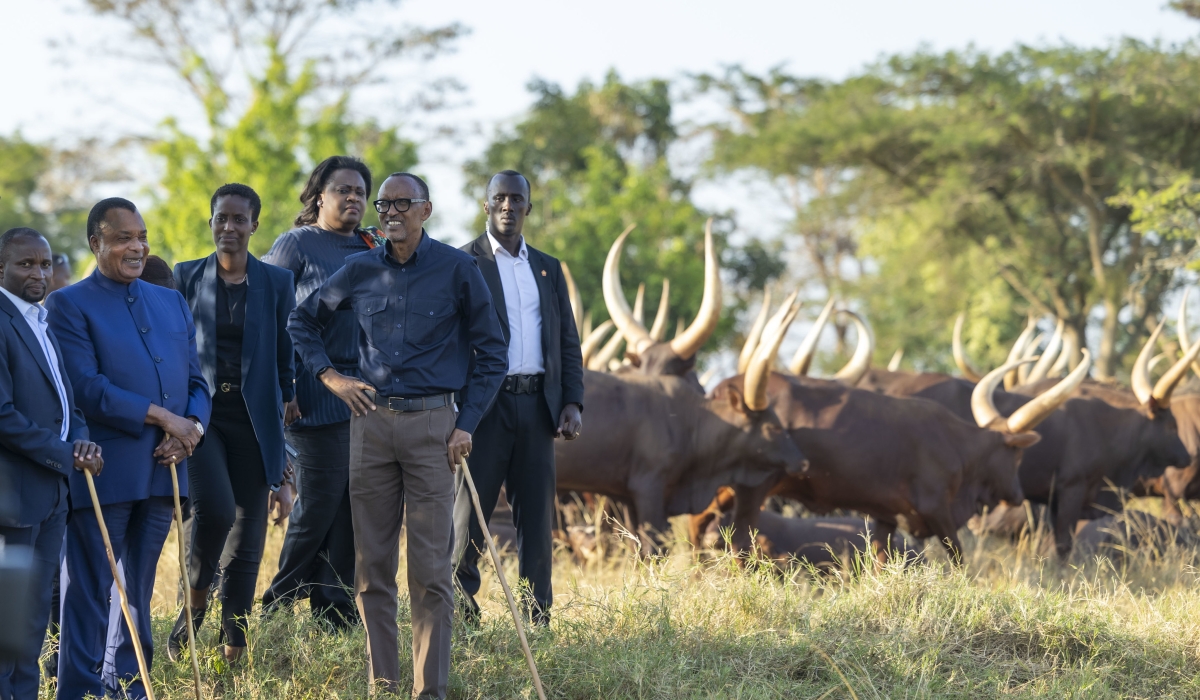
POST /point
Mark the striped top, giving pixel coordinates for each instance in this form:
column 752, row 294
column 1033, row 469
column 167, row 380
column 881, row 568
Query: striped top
column 313, row 255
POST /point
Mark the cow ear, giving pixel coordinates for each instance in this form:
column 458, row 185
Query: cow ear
column 1021, row 441
column 737, row 402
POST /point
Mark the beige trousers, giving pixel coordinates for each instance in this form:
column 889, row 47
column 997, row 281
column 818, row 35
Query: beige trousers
column 398, row 462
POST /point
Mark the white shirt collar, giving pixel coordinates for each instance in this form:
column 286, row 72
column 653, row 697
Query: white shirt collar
column 523, row 253
column 24, row 307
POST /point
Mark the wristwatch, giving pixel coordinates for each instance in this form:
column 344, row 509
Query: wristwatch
column 199, row 426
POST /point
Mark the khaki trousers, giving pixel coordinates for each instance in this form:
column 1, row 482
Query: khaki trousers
column 398, row 461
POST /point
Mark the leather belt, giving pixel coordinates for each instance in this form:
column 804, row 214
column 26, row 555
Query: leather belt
column 400, row 404
column 226, row 387
column 523, row 383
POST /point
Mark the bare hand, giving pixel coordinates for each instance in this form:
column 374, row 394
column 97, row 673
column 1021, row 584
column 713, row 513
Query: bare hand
column 458, row 448
column 283, row 499
column 350, row 390
column 183, row 429
column 170, row 451
column 291, row 411
column 570, row 422
column 87, row 457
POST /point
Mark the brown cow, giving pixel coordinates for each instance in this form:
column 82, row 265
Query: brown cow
column 823, row 542
column 658, row 444
column 904, row 459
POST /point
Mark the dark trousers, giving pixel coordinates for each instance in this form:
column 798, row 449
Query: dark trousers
column 513, row 447
column 19, row 678
column 317, row 559
column 95, row 649
column 229, row 512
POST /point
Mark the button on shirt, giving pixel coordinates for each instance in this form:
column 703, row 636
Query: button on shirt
column 35, row 316
column 420, row 322
column 524, row 309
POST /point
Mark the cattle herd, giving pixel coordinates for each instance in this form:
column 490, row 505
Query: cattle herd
column 923, row 452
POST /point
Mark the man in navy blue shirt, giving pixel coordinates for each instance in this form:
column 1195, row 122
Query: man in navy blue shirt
column 424, row 308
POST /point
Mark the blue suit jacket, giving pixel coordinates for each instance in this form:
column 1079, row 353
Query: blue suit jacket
column 33, row 458
column 267, row 357
column 126, row 347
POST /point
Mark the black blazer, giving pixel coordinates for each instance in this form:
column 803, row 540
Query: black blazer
column 561, row 353
column 268, row 372
column 33, row 459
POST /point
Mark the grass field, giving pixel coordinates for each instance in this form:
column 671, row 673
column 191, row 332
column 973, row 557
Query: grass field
column 1011, row 623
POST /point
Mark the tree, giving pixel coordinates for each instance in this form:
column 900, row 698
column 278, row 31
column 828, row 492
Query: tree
column 301, row 62
column 597, row 162
column 1012, row 159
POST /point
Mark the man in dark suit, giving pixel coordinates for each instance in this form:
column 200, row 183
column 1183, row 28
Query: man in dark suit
column 130, row 351
column 541, row 398
column 42, row 436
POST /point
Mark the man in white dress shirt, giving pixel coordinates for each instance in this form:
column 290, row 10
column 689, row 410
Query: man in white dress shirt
column 42, row 437
column 541, row 398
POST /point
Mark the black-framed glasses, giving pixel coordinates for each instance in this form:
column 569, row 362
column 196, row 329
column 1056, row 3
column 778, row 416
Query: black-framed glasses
column 402, row 205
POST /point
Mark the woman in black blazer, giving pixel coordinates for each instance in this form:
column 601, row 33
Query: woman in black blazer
column 241, row 307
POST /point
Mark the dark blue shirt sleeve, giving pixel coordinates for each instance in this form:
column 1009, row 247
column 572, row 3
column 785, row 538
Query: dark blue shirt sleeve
column 284, row 350
column 487, row 340
column 311, row 317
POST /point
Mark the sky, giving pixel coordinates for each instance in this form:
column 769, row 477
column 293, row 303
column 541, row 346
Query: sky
column 67, row 75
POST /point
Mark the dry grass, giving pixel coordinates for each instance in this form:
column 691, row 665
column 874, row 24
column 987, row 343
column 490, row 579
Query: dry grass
column 1011, row 623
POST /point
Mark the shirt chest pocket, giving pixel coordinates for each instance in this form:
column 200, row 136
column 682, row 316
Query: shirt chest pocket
column 369, row 311
column 431, row 320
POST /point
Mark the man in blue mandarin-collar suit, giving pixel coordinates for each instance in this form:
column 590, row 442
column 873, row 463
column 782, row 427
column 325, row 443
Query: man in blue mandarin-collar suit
column 130, row 352
column 38, row 424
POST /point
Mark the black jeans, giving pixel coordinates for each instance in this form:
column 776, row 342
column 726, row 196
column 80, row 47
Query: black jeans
column 514, row 448
column 229, row 512
column 317, row 559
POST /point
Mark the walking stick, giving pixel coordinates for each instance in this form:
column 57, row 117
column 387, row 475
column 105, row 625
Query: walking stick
column 112, row 563
column 512, row 604
column 187, row 581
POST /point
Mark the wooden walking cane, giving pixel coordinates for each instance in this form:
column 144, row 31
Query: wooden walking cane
column 512, row 604
column 112, row 563
column 187, row 581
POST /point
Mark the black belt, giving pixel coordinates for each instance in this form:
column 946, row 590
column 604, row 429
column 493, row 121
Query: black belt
column 523, row 383
column 226, row 387
column 399, row 404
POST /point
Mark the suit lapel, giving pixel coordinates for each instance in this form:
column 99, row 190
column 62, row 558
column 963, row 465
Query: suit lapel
column 253, row 326
column 537, row 263
column 491, row 274
column 205, row 317
column 26, row 334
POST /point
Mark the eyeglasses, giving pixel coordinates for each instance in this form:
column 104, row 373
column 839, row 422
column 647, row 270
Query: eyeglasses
column 402, row 205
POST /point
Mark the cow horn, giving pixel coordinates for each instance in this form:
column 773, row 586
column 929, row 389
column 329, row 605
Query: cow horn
column 1028, row 416
column 983, row 404
column 802, row 360
column 860, row 361
column 1070, row 346
column 1018, row 352
column 586, row 330
column 759, row 370
column 1175, row 374
column 755, row 333
column 689, row 343
column 618, row 309
column 1182, row 330
column 1155, row 362
column 1139, row 377
column 639, row 305
column 1042, row 368
column 679, row 327
column 659, row 329
column 593, row 341
column 602, row 359
column 894, row 363
column 1030, row 351
column 960, row 353
column 573, row 296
